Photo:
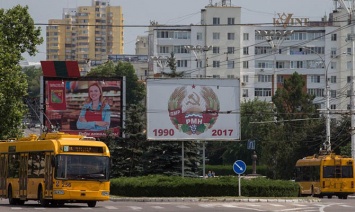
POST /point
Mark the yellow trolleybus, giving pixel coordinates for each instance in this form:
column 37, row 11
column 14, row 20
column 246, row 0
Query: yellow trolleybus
column 326, row 175
column 55, row 168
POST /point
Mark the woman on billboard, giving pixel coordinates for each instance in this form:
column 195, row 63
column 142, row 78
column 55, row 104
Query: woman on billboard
column 95, row 114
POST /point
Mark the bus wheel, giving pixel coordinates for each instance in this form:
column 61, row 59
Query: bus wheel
column 330, row 196
column 43, row 202
column 12, row 201
column 345, row 196
column 92, row 204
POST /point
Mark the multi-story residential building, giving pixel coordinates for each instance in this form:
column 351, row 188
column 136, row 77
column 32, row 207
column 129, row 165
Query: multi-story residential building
column 86, row 33
column 261, row 55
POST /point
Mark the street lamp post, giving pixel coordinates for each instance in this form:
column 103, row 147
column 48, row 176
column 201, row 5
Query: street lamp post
column 197, row 51
column 274, row 38
column 350, row 7
column 327, row 143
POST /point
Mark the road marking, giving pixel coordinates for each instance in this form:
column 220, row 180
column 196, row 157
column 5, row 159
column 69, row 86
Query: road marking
column 135, row 208
column 111, row 207
column 276, row 205
column 16, row 208
column 157, row 207
column 182, row 206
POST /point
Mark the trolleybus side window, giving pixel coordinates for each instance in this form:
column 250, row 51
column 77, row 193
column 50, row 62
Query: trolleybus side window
column 36, row 165
column 14, row 165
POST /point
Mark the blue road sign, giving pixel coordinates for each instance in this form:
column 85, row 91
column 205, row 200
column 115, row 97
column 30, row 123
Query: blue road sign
column 239, row 167
column 251, row 144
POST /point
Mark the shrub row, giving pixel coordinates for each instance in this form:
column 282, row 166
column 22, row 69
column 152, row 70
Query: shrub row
column 175, row 186
column 225, row 170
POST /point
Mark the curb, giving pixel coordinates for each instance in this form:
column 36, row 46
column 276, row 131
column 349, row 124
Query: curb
column 210, row 199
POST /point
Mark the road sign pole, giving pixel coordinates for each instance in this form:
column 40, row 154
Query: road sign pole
column 240, row 191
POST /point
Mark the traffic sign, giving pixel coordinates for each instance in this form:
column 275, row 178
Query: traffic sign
column 251, row 144
column 239, row 167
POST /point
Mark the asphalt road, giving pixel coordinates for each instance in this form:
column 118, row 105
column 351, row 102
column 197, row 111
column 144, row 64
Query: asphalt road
column 189, row 205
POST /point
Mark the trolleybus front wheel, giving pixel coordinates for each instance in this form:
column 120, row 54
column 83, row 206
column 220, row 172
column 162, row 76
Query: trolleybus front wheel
column 92, row 204
column 43, row 202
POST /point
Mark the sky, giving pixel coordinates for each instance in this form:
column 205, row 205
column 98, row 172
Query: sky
column 138, row 13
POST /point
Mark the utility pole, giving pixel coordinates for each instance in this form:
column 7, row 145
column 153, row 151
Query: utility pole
column 349, row 7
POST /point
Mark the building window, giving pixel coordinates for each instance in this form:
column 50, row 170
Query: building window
column 315, row 78
column 230, row 64
column 280, row 79
column 333, row 93
column 199, row 36
column 245, row 50
column 215, row 50
column 245, row 93
column 181, row 63
column 230, row 36
column 230, row 76
column 164, row 49
column 333, row 107
column 264, row 78
column 215, row 36
column 216, row 21
column 216, row 76
column 333, row 52
column 231, row 21
column 348, row 51
column 318, row 92
column 333, row 65
column 215, row 64
column 333, row 37
column 245, row 36
column 349, row 65
column 246, row 64
column 348, row 79
column 262, row 91
column 245, row 78
column 333, row 79
column 230, row 50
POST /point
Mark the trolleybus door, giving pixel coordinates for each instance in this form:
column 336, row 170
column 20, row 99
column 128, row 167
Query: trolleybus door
column 48, row 175
column 3, row 175
column 23, row 175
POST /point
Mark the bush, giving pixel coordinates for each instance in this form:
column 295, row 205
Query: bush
column 174, row 186
column 226, row 170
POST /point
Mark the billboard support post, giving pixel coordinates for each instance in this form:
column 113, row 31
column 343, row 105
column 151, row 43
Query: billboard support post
column 182, row 159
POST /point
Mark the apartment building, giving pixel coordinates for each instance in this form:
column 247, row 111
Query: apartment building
column 86, row 33
column 261, row 55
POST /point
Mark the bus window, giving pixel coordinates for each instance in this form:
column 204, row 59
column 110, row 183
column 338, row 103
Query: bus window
column 14, row 165
column 82, row 167
column 347, row 171
column 329, row 172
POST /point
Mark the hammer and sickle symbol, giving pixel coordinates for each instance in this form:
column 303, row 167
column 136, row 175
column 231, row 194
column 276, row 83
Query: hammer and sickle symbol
column 193, row 100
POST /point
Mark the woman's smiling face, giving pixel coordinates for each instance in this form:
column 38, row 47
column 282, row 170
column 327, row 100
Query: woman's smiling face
column 94, row 93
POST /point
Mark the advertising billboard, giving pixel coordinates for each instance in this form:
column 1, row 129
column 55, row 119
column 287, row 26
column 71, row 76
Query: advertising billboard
column 193, row 109
column 85, row 106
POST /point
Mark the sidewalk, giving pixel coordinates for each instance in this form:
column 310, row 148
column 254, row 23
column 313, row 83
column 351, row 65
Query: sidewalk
column 213, row 199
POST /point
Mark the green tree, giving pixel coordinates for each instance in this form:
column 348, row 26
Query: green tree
column 135, row 89
column 126, row 152
column 172, row 65
column 18, row 35
column 296, row 115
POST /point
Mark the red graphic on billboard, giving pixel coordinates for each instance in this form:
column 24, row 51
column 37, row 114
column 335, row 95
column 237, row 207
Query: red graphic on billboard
column 56, row 91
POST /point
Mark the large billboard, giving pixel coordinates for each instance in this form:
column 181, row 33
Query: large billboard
column 193, row 109
column 85, row 106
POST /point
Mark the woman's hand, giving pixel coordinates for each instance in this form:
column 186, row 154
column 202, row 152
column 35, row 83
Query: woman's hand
column 101, row 123
column 82, row 119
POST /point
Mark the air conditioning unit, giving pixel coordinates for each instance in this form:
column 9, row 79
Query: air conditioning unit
column 243, row 83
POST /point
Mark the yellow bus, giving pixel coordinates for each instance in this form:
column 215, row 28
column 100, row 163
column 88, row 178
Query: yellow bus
column 325, row 175
column 54, row 168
